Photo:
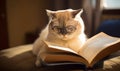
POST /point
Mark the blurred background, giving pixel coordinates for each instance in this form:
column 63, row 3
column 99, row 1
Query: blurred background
column 22, row 20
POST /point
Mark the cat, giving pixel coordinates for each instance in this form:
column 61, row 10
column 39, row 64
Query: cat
column 65, row 28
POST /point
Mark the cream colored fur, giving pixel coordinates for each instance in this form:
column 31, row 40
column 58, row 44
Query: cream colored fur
column 73, row 43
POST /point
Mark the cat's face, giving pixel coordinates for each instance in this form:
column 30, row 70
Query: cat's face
column 64, row 24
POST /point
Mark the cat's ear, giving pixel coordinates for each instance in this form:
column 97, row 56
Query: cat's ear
column 51, row 14
column 77, row 12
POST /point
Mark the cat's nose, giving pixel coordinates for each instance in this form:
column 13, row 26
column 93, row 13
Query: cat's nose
column 63, row 31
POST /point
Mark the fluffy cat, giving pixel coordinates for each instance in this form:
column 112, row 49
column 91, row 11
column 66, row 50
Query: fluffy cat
column 65, row 28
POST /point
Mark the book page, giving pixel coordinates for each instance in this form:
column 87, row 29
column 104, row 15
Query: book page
column 96, row 44
column 51, row 58
column 51, row 47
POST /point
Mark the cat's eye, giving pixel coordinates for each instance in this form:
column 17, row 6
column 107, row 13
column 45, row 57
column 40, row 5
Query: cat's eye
column 55, row 28
column 70, row 29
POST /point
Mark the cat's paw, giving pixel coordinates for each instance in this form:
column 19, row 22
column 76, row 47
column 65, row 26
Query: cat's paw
column 38, row 63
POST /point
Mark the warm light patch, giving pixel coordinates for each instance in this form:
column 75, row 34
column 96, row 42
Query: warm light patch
column 15, row 51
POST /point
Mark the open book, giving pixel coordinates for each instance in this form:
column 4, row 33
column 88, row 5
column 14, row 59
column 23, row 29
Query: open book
column 94, row 49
